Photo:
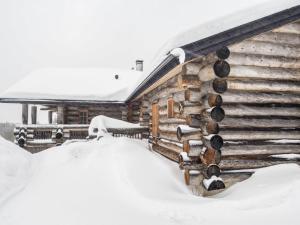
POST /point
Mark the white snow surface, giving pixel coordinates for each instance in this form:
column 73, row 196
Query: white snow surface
column 119, row 181
column 75, row 84
column 103, row 122
column 15, row 166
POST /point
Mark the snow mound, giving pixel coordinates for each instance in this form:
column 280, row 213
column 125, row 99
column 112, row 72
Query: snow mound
column 119, row 181
column 99, row 125
column 15, row 164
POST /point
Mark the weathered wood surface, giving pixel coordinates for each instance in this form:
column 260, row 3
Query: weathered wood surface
column 260, row 135
column 255, row 85
column 260, row 98
column 243, row 110
column 278, row 38
column 25, row 113
column 265, row 123
column 266, row 48
column 267, row 73
column 263, row 60
column 260, row 150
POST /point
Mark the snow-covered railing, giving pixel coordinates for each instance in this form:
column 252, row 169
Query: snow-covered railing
column 37, row 137
column 137, row 133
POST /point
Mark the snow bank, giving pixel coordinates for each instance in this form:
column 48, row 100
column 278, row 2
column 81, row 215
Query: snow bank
column 15, row 167
column 99, row 124
column 119, row 181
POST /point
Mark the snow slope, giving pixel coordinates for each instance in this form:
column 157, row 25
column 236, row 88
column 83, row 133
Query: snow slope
column 119, row 181
column 15, row 166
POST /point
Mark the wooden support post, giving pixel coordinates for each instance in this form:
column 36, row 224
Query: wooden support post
column 60, row 114
column 25, row 113
column 33, row 114
column 50, row 113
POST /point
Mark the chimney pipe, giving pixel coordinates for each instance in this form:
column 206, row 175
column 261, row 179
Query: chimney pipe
column 139, row 65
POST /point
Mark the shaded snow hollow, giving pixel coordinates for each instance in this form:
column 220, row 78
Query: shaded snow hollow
column 119, row 181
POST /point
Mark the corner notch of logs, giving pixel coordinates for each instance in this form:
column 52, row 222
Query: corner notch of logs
column 202, row 153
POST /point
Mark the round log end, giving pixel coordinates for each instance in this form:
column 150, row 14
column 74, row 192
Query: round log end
column 220, row 85
column 21, row 142
column 217, row 114
column 212, row 127
column 58, row 135
column 215, row 100
column 223, row 53
column 221, row 68
column 179, row 133
column 213, row 170
column 216, row 142
column 216, row 185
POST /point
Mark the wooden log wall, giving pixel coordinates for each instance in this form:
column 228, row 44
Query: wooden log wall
column 233, row 109
column 114, row 111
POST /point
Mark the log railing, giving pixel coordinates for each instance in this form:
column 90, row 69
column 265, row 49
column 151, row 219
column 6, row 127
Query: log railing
column 35, row 138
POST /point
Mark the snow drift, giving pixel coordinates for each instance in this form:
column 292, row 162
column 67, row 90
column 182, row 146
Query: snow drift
column 119, row 181
column 15, row 167
column 99, row 125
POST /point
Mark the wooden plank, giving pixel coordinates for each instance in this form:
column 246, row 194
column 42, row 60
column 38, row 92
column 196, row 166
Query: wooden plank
column 267, row 73
column 243, row 110
column 260, row 150
column 155, row 120
column 263, row 60
column 266, row 48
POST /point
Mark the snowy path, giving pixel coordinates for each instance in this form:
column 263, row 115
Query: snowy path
column 118, row 181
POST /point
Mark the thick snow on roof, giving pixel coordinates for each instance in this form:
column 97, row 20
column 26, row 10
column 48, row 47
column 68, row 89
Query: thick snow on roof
column 119, row 181
column 97, row 84
column 218, row 25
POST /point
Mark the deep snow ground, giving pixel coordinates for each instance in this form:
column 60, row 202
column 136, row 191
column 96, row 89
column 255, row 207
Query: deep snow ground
column 119, row 181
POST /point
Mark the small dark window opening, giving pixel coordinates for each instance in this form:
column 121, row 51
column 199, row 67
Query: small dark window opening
column 116, row 76
column 83, row 117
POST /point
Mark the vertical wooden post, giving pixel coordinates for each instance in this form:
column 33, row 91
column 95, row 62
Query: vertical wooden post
column 33, row 114
column 60, row 114
column 25, row 113
column 50, row 113
column 155, row 120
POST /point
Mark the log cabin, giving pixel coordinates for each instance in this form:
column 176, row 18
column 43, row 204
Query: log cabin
column 71, row 98
column 225, row 98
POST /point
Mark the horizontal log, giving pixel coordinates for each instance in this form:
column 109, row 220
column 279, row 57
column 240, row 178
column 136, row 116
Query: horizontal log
column 264, row 86
column 277, row 37
column 264, row 111
column 167, row 152
column 259, row 98
column 267, row 73
column 240, row 164
column 263, row 60
column 260, row 150
column 267, row 124
column 170, row 145
column 206, row 127
column 293, row 28
column 221, row 68
column 266, row 48
column 240, row 135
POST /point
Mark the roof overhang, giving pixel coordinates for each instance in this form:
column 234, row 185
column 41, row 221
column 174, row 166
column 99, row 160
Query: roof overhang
column 58, row 101
column 213, row 43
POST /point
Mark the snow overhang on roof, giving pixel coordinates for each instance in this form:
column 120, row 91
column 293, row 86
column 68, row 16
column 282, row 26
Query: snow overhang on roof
column 73, row 85
column 225, row 31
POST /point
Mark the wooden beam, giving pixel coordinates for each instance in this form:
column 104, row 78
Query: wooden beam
column 25, row 113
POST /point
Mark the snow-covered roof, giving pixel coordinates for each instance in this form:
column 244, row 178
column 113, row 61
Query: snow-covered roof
column 90, row 84
column 100, row 84
column 225, row 30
